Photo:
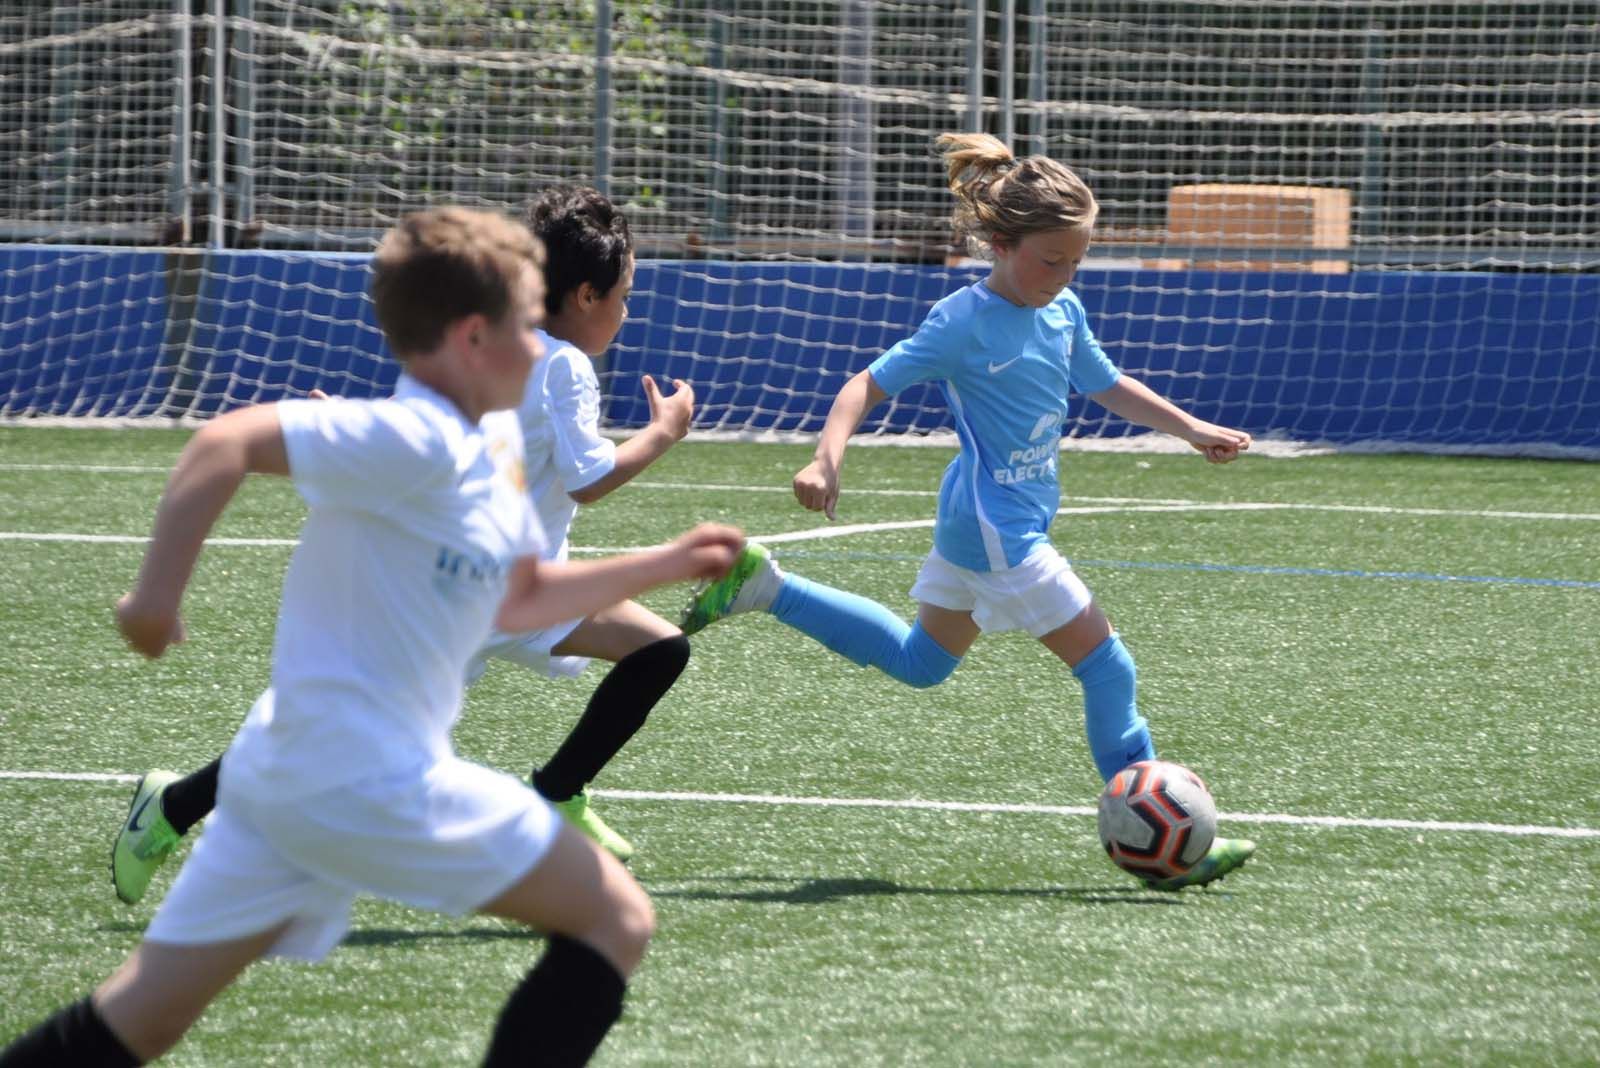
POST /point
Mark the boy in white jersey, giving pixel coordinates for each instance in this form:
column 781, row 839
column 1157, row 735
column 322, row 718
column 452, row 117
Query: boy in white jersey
column 342, row 779
column 588, row 276
column 1005, row 352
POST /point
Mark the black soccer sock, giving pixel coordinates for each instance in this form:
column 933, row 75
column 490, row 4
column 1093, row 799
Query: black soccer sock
column 615, row 712
column 191, row 799
column 76, row 1035
column 560, row 1011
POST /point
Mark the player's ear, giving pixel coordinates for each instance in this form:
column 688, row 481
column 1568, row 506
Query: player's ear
column 588, row 296
column 468, row 333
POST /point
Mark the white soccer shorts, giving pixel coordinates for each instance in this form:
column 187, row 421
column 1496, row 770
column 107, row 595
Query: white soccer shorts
column 1039, row 595
column 531, row 650
column 450, row 837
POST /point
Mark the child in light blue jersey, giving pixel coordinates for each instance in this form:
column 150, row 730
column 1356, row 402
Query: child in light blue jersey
column 1005, row 352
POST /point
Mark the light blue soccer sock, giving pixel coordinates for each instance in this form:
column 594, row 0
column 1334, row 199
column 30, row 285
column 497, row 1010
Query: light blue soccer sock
column 1118, row 735
column 863, row 631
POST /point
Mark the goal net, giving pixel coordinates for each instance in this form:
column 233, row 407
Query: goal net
column 1356, row 222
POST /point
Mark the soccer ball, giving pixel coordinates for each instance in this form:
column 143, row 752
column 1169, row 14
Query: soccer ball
column 1157, row 819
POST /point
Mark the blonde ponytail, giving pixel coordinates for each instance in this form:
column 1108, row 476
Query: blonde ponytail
column 999, row 197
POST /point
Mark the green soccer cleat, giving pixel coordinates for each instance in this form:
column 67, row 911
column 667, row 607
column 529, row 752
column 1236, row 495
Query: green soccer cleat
column 145, row 841
column 752, row 585
column 578, row 813
column 1224, row 856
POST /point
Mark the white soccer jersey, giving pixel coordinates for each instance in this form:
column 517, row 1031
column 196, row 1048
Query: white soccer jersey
column 560, row 416
column 416, row 516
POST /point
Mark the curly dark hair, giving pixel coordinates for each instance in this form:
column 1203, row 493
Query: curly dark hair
column 586, row 239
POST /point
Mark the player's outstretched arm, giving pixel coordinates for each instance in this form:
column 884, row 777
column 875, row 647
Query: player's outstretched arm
column 1138, row 403
column 543, row 593
column 816, row 486
column 206, row 477
column 670, row 416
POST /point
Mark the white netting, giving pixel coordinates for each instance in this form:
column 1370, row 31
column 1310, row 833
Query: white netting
column 1342, row 220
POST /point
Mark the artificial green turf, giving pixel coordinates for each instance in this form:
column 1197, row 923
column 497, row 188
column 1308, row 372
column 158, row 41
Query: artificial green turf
column 856, row 936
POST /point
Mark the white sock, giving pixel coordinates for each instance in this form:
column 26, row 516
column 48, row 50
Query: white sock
column 760, row 589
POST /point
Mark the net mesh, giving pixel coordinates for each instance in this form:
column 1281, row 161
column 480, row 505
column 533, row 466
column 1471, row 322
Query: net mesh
column 1341, row 220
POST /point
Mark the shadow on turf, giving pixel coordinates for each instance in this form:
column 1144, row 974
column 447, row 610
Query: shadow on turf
column 822, row 891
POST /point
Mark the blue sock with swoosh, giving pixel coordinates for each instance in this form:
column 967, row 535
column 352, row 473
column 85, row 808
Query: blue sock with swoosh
column 1118, row 735
column 863, row 631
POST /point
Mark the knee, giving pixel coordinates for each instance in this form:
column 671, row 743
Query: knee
column 633, row 924
column 924, row 662
column 664, row 658
column 146, row 1032
column 927, row 676
column 674, row 653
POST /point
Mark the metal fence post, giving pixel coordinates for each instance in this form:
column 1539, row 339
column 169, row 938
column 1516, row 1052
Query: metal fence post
column 244, row 118
column 856, row 136
column 975, row 31
column 219, row 125
column 717, row 61
column 1008, row 72
column 1037, row 83
column 178, row 180
column 1369, row 209
column 602, row 95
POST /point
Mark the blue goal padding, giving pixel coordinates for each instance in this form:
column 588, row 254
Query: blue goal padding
column 1416, row 357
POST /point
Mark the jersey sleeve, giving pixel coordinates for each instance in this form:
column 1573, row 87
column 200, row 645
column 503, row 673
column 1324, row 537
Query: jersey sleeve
column 572, row 398
column 931, row 353
column 1089, row 368
column 360, row 454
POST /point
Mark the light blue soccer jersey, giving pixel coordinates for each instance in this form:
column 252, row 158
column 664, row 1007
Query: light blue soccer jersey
column 1005, row 372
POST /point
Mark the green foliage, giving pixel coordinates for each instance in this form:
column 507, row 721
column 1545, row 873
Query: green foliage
column 441, row 88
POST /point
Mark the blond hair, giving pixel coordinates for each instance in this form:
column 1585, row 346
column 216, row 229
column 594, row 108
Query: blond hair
column 439, row 266
column 999, row 197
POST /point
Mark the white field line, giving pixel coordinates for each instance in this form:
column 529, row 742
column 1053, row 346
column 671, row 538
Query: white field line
column 1141, row 503
column 135, row 539
column 1089, row 506
column 1116, row 506
column 1089, row 810
column 1520, row 830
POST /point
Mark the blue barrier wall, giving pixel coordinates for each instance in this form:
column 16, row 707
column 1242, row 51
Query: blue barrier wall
column 81, row 331
column 1425, row 358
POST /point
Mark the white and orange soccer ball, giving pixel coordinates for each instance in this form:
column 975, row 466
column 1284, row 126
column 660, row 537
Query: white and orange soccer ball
column 1157, row 819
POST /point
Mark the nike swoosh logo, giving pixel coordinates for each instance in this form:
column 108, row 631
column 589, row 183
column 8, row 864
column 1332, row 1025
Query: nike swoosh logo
column 996, row 368
column 133, row 820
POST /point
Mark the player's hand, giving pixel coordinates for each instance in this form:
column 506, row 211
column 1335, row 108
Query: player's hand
column 816, row 487
column 148, row 628
column 1218, row 444
column 674, row 411
column 708, row 551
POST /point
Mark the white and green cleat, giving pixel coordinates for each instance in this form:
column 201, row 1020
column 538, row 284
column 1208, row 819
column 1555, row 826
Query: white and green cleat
column 146, row 839
column 1224, row 856
column 578, row 813
column 751, row 586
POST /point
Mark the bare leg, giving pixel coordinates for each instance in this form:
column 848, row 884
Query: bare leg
column 598, row 921
column 162, row 988
column 954, row 631
column 612, row 633
column 581, row 891
column 649, row 654
column 1079, row 636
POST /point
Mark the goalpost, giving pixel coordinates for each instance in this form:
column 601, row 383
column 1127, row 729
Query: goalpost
column 1368, row 222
